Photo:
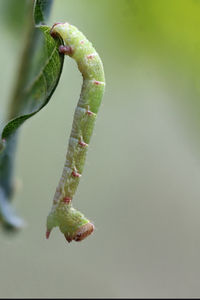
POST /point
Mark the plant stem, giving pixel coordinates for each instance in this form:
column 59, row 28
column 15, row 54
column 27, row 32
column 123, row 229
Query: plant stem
column 7, row 157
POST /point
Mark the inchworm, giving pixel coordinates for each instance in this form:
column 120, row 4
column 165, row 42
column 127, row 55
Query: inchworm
column 70, row 221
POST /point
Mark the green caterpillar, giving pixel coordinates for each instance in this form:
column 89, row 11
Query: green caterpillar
column 71, row 222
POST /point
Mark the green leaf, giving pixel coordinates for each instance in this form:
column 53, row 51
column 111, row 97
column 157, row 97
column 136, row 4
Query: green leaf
column 38, row 90
column 37, row 78
column 41, row 11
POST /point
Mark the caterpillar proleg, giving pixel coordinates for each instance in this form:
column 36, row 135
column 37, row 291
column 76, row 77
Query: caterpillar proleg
column 71, row 222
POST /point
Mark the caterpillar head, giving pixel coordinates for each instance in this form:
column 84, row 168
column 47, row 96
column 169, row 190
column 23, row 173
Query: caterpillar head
column 73, row 224
column 55, row 29
column 81, row 233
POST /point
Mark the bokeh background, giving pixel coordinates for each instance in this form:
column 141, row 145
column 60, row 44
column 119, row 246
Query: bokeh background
column 141, row 182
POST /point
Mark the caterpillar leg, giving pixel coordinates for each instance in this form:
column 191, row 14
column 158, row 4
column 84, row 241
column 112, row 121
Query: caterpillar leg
column 67, row 50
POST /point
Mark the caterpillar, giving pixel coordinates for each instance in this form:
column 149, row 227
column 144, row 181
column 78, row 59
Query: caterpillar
column 72, row 223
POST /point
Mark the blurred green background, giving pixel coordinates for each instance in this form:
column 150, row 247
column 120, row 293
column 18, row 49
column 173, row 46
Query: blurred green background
column 140, row 185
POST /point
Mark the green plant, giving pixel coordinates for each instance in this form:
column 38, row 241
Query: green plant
column 39, row 73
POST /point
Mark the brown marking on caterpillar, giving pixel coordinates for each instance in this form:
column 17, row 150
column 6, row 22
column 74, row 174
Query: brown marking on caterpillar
column 89, row 112
column 91, row 56
column 83, row 232
column 76, row 174
column 82, row 42
column 66, row 50
column 98, row 82
column 67, row 200
column 83, row 144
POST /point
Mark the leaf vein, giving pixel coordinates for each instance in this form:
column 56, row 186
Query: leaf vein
column 41, row 72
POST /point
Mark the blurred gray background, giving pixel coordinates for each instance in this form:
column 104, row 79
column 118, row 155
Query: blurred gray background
column 140, row 185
